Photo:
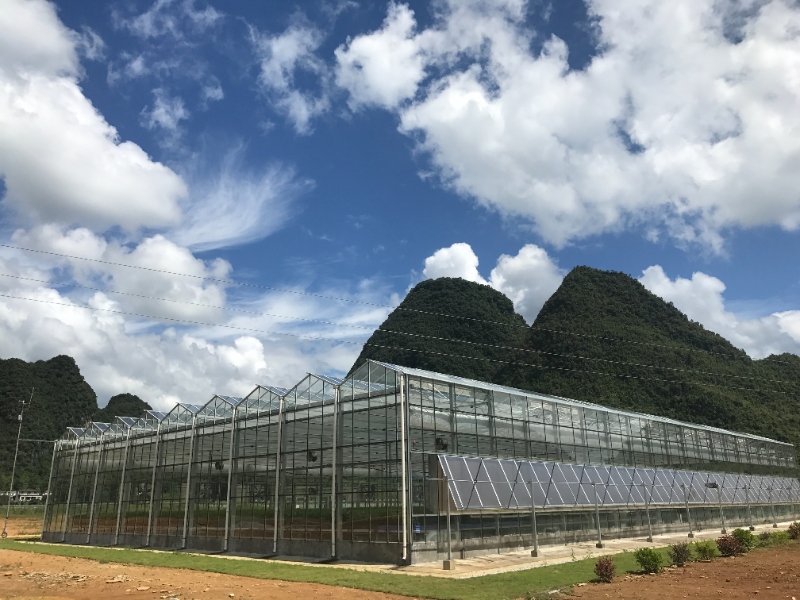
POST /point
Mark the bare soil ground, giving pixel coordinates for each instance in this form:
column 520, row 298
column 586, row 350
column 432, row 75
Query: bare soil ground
column 28, row 576
column 763, row 574
column 22, row 527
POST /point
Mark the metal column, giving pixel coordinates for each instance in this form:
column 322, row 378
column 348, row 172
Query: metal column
column 122, row 486
column 153, row 486
column 94, row 489
column 749, row 512
column 333, row 469
column 534, row 528
column 277, row 477
column 447, row 565
column 226, row 539
column 403, row 474
column 49, row 486
column 188, row 484
column 688, row 514
column 647, row 511
column 772, row 506
column 599, row 543
column 69, row 493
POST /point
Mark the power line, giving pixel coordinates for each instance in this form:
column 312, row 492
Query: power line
column 314, row 338
column 377, row 305
column 451, row 340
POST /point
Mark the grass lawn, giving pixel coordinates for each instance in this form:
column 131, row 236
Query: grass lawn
column 507, row 585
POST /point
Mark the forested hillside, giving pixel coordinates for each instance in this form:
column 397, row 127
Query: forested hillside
column 121, row 405
column 414, row 334
column 61, row 397
column 602, row 337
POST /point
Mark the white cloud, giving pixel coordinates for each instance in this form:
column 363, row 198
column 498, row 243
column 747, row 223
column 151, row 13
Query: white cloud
column 212, row 92
column 457, row 260
column 237, row 205
column 166, row 114
column 674, row 125
column 181, row 362
column 282, row 57
column 170, row 18
column 59, row 159
column 193, row 297
column 385, row 67
column 527, row 279
column 701, row 299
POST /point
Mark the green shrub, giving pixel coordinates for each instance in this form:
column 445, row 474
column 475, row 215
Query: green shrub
column 705, row 550
column 746, row 539
column 650, row 560
column 680, row 553
column 729, row 546
column 794, row 531
column 774, row 538
column 604, row 569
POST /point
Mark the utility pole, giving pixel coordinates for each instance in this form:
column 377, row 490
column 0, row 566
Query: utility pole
column 4, row 535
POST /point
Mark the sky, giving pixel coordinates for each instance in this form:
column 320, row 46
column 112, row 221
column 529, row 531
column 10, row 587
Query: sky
column 198, row 196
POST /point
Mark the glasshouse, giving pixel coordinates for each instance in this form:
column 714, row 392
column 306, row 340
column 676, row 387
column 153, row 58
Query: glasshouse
column 401, row 465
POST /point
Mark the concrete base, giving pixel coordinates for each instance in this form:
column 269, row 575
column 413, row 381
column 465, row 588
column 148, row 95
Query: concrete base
column 691, row 535
column 534, row 553
column 775, row 525
column 650, row 538
column 448, row 565
column 752, row 528
column 598, row 545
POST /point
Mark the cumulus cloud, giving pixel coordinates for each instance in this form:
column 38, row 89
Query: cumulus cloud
column 282, row 59
column 59, row 159
column 458, row 260
column 679, row 123
column 384, row 68
column 702, row 299
column 196, row 296
column 527, row 279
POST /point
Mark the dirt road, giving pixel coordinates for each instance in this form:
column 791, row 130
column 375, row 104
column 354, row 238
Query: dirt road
column 762, row 574
column 27, row 576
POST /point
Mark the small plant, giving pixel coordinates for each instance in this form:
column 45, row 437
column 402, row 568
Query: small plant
column 729, row 546
column 650, row 560
column 794, row 531
column 680, row 553
column 746, row 539
column 706, row 550
column 773, row 538
column 604, row 569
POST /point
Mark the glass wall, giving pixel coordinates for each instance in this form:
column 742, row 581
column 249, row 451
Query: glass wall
column 370, row 498
column 307, row 459
column 140, row 460
column 172, row 471
column 254, row 478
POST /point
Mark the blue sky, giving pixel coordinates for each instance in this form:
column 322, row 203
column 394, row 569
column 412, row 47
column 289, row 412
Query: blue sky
column 351, row 149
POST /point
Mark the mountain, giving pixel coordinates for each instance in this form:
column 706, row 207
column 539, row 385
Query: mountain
column 61, row 397
column 121, row 405
column 414, row 334
column 602, row 338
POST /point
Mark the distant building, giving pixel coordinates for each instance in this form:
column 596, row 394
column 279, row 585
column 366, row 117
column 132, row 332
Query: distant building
column 369, row 467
